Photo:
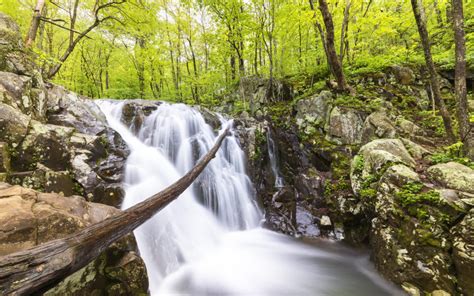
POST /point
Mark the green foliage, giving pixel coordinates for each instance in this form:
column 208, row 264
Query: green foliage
column 367, row 193
column 411, row 194
column 450, row 153
column 358, row 162
column 431, row 121
column 194, row 51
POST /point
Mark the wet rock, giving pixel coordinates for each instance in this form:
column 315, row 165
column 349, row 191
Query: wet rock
column 325, row 221
column 68, row 109
column 134, row 113
column 29, row 218
column 345, row 126
column 210, row 117
column 453, row 175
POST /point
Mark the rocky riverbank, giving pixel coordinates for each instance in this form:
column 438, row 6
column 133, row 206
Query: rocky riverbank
column 53, row 140
column 369, row 170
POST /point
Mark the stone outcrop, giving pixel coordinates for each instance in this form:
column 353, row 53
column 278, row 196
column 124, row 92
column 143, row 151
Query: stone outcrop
column 54, row 136
column 29, row 218
column 56, row 141
column 415, row 220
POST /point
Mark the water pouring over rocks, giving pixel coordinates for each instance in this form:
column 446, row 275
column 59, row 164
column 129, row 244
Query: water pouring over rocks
column 209, row 241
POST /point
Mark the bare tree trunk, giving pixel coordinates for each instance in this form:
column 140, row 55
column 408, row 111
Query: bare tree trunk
column 31, row 270
column 35, row 22
column 460, row 80
column 80, row 35
column 344, row 29
column 419, row 13
column 335, row 63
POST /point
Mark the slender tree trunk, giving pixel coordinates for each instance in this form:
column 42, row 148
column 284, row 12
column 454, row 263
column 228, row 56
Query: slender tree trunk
column 335, row 63
column 35, row 22
column 29, row 271
column 418, row 11
column 465, row 129
column 344, row 29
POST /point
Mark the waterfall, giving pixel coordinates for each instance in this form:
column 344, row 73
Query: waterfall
column 273, row 156
column 208, row 241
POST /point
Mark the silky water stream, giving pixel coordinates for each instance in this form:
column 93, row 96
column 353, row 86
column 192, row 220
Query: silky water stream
column 209, row 241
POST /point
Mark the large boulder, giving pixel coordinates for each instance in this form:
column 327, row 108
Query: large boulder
column 453, row 175
column 314, row 109
column 29, row 218
column 13, row 57
column 134, row 113
column 378, row 125
column 345, row 126
column 411, row 220
column 463, row 253
column 13, row 125
column 19, row 92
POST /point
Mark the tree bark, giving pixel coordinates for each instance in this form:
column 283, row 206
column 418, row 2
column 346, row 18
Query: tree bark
column 419, row 13
column 40, row 267
column 74, row 41
column 333, row 59
column 35, row 22
column 460, row 80
column 344, row 29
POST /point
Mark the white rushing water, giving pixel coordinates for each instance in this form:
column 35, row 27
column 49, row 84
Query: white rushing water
column 273, row 156
column 208, row 241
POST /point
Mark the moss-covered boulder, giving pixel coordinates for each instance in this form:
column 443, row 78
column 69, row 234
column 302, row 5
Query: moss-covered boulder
column 411, row 220
column 13, row 57
column 463, row 253
column 344, row 126
column 453, row 175
column 378, row 125
column 13, row 125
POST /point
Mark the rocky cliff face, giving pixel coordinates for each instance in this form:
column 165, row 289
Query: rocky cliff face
column 53, row 140
column 360, row 169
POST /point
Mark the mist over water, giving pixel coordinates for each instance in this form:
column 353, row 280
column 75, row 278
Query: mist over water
column 208, row 241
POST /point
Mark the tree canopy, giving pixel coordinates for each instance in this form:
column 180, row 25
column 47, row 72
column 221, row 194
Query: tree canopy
column 194, row 51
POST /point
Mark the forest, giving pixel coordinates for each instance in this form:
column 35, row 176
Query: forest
column 237, row 147
column 195, row 51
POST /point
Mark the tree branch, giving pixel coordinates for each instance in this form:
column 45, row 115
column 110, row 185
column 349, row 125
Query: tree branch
column 28, row 271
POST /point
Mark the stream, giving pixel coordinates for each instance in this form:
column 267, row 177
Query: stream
column 209, row 241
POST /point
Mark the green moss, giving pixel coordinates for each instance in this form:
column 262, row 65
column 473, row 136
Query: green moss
column 411, row 194
column 368, row 193
column 331, row 187
column 452, row 153
column 358, row 164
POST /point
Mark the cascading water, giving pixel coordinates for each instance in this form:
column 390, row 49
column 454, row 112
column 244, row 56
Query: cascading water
column 273, row 156
column 208, row 241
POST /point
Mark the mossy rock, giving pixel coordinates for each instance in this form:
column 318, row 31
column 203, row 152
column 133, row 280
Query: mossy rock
column 453, row 175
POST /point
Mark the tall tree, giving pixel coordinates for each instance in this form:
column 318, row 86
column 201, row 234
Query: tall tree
column 35, row 23
column 460, row 79
column 73, row 39
column 334, row 62
column 420, row 18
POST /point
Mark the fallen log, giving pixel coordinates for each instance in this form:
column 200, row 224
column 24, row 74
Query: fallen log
column 43, row 266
